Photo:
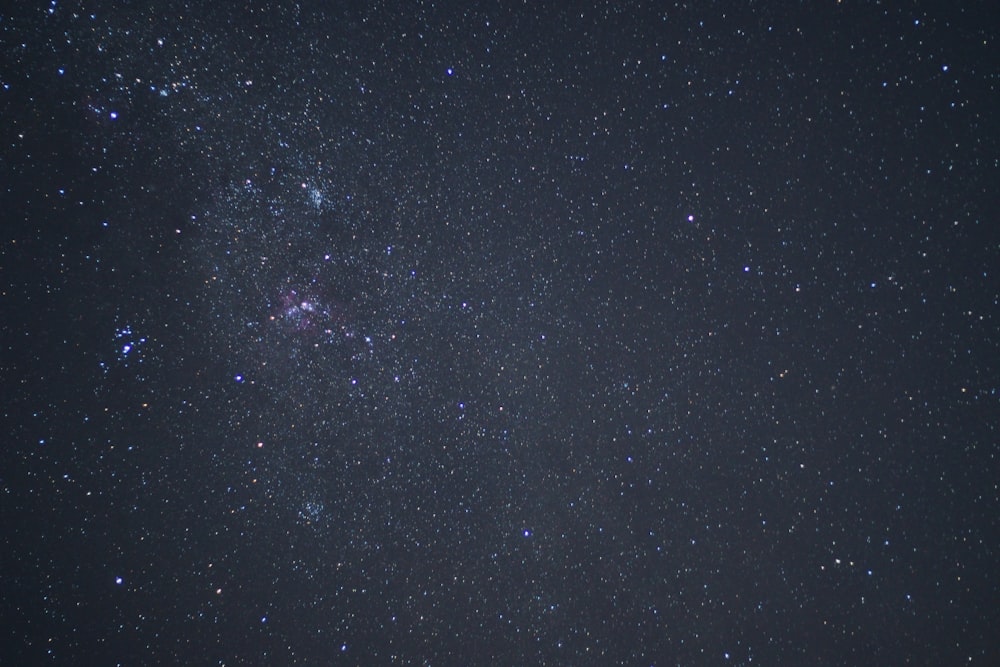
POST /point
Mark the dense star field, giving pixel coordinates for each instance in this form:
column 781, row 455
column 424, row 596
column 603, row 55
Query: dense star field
column 525, row 334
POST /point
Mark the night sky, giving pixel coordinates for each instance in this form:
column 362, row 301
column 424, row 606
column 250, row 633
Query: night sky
column 529, row 334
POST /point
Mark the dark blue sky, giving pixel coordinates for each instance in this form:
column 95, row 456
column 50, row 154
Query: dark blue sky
column 636, row 334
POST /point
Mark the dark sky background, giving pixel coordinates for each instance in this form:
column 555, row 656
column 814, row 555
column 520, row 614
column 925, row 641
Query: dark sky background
column 420, row 334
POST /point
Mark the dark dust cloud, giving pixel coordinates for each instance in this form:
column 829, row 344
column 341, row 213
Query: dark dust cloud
column 537, row 334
